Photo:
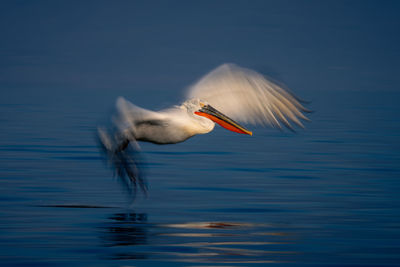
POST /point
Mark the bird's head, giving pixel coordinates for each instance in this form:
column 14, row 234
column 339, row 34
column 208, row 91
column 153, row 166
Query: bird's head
column 200, row 108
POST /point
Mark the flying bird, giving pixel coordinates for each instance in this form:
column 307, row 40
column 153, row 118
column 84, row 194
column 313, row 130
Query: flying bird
column 227, row 96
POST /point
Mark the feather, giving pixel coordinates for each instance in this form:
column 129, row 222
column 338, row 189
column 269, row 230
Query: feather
column 247, row 96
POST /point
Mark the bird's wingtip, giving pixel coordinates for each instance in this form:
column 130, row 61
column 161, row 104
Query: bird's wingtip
column 120, row 100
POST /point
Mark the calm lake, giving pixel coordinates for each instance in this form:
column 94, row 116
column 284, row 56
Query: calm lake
column 326, row 195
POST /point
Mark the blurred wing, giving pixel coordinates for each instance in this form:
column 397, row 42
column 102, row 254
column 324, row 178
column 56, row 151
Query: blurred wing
column 249, row 97
column 130, row 115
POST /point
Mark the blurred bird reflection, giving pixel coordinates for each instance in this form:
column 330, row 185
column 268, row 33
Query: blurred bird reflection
column 125, row 229
column 134, row 238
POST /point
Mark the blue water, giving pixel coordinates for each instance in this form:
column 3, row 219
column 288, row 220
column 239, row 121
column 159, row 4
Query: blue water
column 326, row 195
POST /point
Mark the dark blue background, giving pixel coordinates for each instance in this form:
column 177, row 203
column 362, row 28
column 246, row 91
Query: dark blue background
column 156, row 45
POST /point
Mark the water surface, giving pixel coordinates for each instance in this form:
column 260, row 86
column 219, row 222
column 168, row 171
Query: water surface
column 326, row 195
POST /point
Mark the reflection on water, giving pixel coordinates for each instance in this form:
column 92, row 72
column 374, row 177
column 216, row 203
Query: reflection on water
column 125, row 230
column 229, row 242
column 133, row 237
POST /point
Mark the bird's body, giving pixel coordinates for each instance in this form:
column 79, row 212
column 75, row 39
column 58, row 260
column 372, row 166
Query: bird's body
column 168, row 126
column 226, row 94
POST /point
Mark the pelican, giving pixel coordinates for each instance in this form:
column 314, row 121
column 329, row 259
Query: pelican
column 227, row 96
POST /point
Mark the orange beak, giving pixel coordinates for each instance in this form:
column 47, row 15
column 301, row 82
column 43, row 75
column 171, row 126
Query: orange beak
column 211, row 113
